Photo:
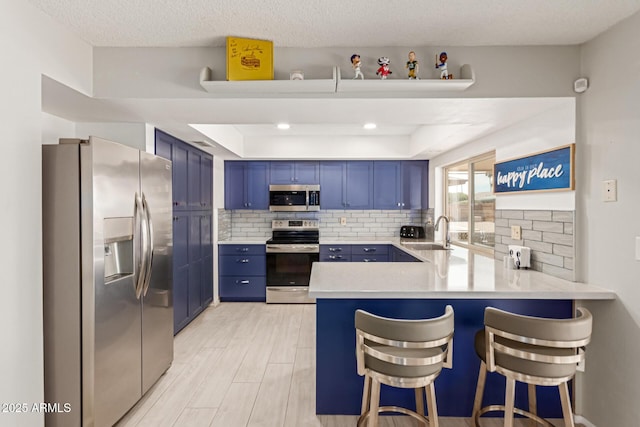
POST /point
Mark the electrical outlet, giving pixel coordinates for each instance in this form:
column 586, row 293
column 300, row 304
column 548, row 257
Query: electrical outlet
column 516, row 232
column 343, row 220
column 610, row 190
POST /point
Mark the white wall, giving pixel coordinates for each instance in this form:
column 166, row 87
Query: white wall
column 31, row 45
column 131, row 134
column 608, row 131
column 551, row 129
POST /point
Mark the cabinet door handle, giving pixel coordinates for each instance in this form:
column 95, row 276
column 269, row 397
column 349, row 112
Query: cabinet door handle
column 243, row 249
column 242, row 282
column 243, row 260
column 369, row 249
column 368, row 260
column 398, row 204
column 335, row 256
column 335, row 249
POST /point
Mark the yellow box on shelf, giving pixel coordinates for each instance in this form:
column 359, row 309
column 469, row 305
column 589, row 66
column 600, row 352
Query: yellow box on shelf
column 249, row 59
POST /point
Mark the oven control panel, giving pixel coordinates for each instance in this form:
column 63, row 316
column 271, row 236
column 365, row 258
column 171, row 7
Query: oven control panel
column 299, row 224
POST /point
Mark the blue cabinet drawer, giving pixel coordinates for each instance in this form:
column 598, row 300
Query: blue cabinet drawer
column 243, row 288
column 334, row 257
column 243, row 265
column 370, row 250
column 335, row 249
column 241, row 249
column 370, row 258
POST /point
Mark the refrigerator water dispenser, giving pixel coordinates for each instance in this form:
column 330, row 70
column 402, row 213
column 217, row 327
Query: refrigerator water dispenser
column 118, row 248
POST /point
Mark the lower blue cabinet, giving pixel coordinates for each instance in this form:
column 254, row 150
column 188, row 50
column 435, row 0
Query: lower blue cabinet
column 243, row 288
column 242, row 272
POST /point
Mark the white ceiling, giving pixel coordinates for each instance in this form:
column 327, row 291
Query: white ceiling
column 445, row 123
column 332, row 23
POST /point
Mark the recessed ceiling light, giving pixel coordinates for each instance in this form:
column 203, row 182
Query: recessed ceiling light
column 369, row 126
column 283, row 126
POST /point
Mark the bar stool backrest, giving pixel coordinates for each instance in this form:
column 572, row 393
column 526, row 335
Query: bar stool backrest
column 374, row 331
column 545, row 342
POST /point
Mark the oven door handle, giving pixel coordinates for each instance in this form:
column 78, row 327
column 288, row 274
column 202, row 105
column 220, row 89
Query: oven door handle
column 293, row 249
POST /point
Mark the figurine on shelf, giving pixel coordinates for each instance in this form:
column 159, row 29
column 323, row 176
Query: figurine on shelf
column 442, row 66
column 412, row 66
column 355, row 63
column 384, row 70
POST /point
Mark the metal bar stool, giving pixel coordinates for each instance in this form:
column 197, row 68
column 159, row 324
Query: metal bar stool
column 532, row 350
column 404, row 354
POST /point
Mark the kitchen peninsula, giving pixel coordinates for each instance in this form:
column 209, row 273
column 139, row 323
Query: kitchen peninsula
column 466, row 280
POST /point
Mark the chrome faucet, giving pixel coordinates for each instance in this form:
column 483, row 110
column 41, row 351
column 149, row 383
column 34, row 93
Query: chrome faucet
column 446, row 239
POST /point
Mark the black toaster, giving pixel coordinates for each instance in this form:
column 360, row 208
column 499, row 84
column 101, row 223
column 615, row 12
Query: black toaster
column 412, row 232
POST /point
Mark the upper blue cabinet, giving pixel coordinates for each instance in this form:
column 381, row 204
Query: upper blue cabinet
column 346, row 185
column 388, row 185
column 300, row 172
column 400, row 184
column 246, row 185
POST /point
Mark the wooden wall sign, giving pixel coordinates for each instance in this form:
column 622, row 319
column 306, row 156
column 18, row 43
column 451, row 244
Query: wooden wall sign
column 551, row 170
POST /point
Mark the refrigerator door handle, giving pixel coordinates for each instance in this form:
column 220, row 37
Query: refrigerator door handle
column 141, row 265
column 149, row 230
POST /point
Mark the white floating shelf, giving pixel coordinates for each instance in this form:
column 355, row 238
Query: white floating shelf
column 245, row 88
column 467, row 78
column 264, row 87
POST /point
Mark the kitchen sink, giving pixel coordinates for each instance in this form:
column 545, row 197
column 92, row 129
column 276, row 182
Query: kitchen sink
column 425, row 246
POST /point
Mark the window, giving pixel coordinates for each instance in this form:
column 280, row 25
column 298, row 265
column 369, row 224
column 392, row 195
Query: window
column 470, row 202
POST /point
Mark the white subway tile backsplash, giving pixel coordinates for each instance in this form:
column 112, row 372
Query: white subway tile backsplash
column 549, row 234
column 384, row 223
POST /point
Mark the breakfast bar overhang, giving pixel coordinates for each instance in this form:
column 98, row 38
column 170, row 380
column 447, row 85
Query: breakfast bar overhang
column 469, row 282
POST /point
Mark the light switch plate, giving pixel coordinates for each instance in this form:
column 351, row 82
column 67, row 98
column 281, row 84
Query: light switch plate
column 610, row 190
column 516, row 232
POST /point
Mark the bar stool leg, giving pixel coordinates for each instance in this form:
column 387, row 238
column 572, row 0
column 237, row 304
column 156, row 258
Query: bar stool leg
column 509, row 392
column 366, row 395
column 566, row 405
column 419, row 401
column 482, row 378
column 533, row 403
column 375, row 403
column 431, row 405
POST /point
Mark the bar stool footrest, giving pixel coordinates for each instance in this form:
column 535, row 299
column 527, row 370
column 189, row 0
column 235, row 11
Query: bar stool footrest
column 397, row 409
column 501, row 408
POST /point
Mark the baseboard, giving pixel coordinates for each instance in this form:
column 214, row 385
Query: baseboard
column 582, row 420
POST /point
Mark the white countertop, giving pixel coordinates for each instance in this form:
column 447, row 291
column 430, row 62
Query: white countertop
column 452, row 274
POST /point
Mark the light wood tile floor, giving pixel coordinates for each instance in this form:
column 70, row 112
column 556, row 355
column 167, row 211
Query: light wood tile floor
column 248, row 364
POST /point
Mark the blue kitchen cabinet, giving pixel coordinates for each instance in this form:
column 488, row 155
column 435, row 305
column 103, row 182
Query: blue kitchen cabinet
column 180, row 270
column 370, row 253
column 242, row 272
column 200, row 180
column 400, row 184
column 387, row 185
column 346, row 185
column 415, row 176
column 246, row 185
column 175, row 150
column 192, row 174
column 298, row 172
column 331, row 185
column 200, row 262
column 398, row 255
column 335, row 253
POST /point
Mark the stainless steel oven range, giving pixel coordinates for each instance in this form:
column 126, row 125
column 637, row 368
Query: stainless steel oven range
column 291, row 251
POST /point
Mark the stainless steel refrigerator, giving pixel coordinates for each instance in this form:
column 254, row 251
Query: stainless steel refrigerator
column 107, row 260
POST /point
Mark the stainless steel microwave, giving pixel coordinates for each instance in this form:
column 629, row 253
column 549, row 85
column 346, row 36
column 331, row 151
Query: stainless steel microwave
column 294, row 198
